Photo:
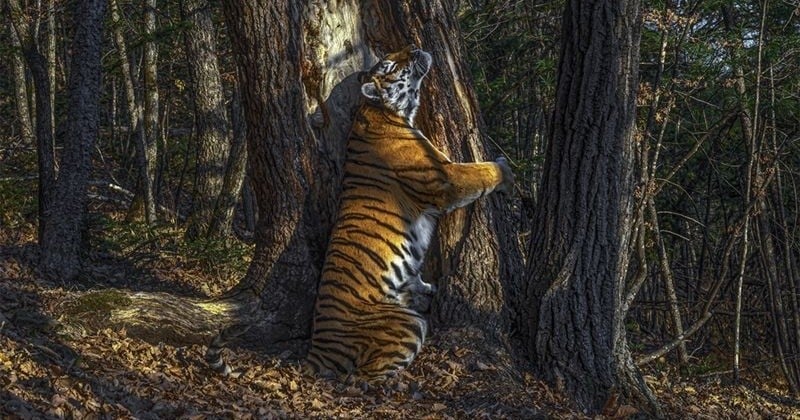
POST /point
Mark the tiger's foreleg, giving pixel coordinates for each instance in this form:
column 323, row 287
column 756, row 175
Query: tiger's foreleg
column 469, row 181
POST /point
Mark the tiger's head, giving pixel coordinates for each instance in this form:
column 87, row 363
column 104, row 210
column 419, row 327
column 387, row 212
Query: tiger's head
column 395, row 81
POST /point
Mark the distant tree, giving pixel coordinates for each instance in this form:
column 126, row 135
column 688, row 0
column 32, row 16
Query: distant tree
column 574, row 315
column 133, row 103
column 143, row 205
column 233, row 181
column 20, row 81
column 45, row 144
column 211, row 117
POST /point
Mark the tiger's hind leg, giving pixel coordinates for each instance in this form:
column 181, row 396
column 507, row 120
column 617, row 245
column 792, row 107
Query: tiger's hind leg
column 397, row 338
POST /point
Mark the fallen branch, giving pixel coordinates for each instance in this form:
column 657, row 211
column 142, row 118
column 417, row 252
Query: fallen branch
column 128, row 194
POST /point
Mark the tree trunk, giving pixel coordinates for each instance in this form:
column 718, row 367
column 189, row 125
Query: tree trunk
column 222, row 220
column 45, row 148
column 296, row 169
column 476, row 259
column 573, row 318
column 62, row 237
column 133, row 105
column 50, row 53
column 21, row 92
column 144, row 202
column 211, row 119
column 287, row 175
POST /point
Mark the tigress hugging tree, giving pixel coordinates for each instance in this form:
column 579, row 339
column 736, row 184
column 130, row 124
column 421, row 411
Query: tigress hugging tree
column 300, row 65
column 308, row 85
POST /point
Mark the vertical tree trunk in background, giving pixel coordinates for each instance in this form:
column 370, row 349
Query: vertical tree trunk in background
column 211, row 118
column 65, row 217
column 50, row 53
column 476, row 260
column 574, row 327
column 44, row 135
column 21, row 92
column 222, row 220
column 144, row 202
column 133, row 106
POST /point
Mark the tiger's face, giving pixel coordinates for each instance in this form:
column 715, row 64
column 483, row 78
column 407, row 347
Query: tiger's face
column 395, row 81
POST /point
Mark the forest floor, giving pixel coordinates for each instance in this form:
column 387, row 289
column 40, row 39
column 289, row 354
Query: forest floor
column 47, row 373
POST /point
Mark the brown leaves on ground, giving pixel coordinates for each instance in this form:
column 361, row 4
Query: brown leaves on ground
column 50, row 371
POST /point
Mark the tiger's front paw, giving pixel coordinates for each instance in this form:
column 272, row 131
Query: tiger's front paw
column 507, row 184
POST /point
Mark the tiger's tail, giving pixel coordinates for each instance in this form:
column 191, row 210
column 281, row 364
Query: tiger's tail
column 213, row 355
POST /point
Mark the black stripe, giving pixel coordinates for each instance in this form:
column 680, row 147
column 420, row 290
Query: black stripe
column 350, row 183
column 322, row 302
column 347, row 195
column 371, row 254
column 351, row 228
column 363, row 216
column 405, row 219
column 367, row 275
column 397, row 271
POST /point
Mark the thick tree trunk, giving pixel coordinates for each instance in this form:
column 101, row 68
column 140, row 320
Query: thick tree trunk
column 211, row 118
column 286, row 171
column 62, row 238
column 573, row 318
column 476, row 260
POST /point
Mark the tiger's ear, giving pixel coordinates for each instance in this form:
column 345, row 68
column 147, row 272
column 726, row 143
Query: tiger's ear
column 370, row 91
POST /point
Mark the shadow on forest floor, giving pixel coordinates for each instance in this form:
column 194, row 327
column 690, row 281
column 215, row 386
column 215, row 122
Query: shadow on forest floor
column 46, row 371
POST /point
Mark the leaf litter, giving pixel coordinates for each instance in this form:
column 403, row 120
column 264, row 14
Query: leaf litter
column 461, row 373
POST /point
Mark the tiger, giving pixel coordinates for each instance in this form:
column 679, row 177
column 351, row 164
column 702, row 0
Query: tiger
column 369, row 318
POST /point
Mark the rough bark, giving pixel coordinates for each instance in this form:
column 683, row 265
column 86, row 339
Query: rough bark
column 50, row 54
column 62, row 237
column 211, row 119
column 573, row 322
column 286, row 170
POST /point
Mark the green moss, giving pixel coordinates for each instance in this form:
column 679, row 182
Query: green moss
column 103, row 300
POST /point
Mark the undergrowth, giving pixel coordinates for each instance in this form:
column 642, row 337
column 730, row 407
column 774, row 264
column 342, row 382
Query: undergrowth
column 144, row 245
